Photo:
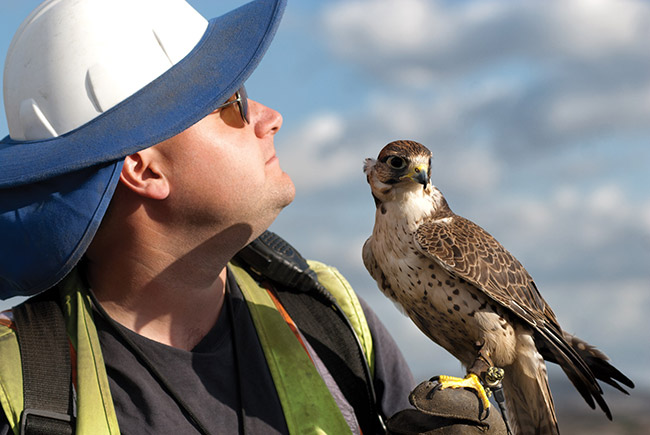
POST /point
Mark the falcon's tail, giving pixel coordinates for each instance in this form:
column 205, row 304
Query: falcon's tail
column 599, row 367
column 599, row 364
column 528, row 396
column 583, row 364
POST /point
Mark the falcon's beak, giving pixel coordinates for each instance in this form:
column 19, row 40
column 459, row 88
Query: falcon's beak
column 419, row 175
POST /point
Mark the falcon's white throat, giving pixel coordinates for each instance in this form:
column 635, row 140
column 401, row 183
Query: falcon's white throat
column 406, row 201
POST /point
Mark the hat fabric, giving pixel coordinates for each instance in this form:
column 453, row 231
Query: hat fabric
column 47, row 226
column 54, row 192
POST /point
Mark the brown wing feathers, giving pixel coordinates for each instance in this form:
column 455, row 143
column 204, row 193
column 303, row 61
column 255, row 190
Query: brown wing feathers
column 470, row 253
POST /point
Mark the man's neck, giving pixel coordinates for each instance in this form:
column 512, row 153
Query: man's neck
column 171, row 296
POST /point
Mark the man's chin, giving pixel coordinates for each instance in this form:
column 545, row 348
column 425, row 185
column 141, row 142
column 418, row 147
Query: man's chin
column 288, row 194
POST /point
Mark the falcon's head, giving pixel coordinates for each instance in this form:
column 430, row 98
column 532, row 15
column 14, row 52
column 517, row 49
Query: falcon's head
column 402, row 164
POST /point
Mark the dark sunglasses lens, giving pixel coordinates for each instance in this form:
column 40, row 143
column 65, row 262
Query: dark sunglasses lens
column 243, row 105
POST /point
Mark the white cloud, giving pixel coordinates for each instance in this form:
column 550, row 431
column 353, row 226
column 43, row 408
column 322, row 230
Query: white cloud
column 314, row 155
column 324, row 129
column 473, row 170
column 574, row 233
column 449, row 34
column 611, row 315
column 583, row 64
column 565, row 197
column 327, row 150
column 389, row 27
column 614, row 107
column 645, row 217
column 608, row 201
column 588, row 28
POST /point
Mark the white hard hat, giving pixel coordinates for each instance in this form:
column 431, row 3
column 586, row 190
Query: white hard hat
column 70, row 61
column 88, row 82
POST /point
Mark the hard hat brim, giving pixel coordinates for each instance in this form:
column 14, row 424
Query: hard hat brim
column 38, row 201
column 224, row 58
column 47, row 226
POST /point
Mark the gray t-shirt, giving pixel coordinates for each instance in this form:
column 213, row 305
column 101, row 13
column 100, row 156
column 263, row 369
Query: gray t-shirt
column 208, row 381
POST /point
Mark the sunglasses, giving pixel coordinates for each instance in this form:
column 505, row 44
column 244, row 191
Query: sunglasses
column 241, row 99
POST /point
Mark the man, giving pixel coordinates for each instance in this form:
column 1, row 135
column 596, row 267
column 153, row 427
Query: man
column 141, row 105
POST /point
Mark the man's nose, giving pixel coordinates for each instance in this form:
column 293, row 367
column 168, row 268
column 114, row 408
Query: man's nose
column 265, row 120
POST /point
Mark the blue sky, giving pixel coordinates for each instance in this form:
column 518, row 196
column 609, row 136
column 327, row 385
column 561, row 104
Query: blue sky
column 537, row 116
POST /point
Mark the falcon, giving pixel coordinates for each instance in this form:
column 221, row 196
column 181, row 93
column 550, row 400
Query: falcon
column 467, row 293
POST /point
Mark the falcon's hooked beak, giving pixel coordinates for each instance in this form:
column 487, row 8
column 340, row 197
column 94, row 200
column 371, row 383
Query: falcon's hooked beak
column 418, row 174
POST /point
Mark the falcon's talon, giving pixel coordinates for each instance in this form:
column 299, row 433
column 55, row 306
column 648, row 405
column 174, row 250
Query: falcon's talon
column 470, row 381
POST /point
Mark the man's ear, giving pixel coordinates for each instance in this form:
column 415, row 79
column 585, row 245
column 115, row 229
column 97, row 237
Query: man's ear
column 143, row 174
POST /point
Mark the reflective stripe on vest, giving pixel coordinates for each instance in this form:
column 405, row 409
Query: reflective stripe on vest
column 348, row 301
column 11, row 377
column 95, row 412
column 307, row 403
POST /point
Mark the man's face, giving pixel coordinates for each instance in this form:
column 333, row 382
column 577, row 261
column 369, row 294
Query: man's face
column 224, row 172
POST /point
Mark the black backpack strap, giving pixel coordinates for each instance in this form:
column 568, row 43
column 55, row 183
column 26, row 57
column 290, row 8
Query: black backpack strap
column 320, row 319
column 45, row 356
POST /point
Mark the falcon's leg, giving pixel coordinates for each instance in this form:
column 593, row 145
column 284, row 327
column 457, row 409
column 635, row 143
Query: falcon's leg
column 481, row 372
column 470, row 381
column 492, row 376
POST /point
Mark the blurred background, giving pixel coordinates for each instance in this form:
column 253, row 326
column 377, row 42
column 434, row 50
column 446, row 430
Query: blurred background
column 537, row 114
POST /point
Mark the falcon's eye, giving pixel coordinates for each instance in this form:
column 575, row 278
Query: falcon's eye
column 396, row 162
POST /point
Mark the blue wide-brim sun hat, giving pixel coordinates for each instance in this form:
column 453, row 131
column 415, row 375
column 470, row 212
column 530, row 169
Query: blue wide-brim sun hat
column 54, row 192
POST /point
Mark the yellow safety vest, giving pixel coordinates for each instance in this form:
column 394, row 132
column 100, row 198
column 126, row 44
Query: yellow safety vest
column 306, row 401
